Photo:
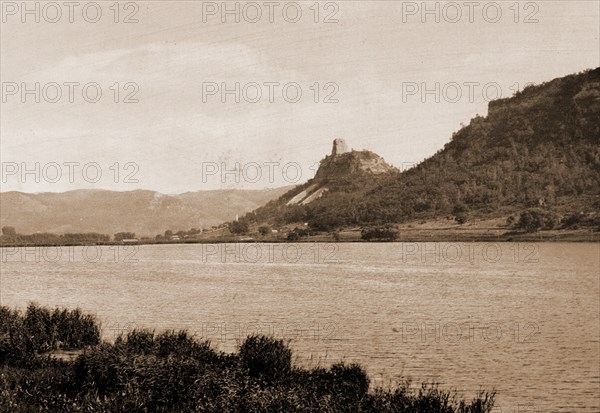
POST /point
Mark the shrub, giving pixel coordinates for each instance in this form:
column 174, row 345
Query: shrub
column 239, row 227
column 13, row 338
column 181, row 344
column 172, row 372
column 379, row 234
column 349, row 382
column 266, row 357
column 298, row 233
column 534, row 219
column 120, row 236
column 9, row 232
column 572, row 221
column 461, row 218
column 293, row 236
column 102, row 370
column 40, row 330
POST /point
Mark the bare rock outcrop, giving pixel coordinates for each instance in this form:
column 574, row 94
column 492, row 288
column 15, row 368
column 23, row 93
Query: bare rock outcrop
column 341, row 165
column 339, row 147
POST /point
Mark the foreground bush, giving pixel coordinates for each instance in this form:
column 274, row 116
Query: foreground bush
column 266, row 358
column 40, row 330
column 173, row 372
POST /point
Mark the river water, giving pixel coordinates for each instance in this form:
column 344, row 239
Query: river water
column 522, row 319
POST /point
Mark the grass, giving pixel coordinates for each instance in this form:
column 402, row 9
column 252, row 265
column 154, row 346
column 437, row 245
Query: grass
column 41, row 330
column 173, row 372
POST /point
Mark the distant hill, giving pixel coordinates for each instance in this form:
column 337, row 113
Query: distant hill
column 539, row 148
column 143, row 212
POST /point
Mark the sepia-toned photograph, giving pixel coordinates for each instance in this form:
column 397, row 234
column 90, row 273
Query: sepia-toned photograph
column 310, row 206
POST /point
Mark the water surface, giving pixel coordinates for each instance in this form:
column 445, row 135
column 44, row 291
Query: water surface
column 519, row 318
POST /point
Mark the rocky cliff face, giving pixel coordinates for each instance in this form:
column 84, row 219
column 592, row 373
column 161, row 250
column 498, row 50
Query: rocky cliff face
column 351, row 163
column 342, row 164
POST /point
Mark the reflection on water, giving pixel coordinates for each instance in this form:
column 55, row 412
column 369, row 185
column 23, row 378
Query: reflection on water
column 520, row 318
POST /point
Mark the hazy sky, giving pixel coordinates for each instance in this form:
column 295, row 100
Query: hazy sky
column 373, row 57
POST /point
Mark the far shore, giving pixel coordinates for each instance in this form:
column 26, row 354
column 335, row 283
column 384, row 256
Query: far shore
column 353, row 235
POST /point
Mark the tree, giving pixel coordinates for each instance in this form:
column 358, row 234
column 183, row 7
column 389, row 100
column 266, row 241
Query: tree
column 379, row 234
column 264, row 230
column 120, row 236
column 293, row 236
column 511, row 221
column 534, row 219
column 239, row 227
column 530, row 221
column 9, row 231
column 461, row 218
column 297, row 233
column 294, row 213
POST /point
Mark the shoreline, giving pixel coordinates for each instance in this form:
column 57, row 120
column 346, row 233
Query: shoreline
column 353, row 236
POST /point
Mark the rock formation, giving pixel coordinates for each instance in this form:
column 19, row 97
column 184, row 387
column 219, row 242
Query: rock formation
column 342, row 164
column 339, row 147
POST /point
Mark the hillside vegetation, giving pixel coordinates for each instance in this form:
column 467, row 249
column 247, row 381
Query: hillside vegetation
column 537, row 153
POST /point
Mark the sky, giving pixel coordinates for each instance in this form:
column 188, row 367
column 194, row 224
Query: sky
column 178, row 96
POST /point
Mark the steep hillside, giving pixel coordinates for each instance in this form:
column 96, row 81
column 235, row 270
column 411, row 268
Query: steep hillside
column 142, row 212
column 539, row 148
